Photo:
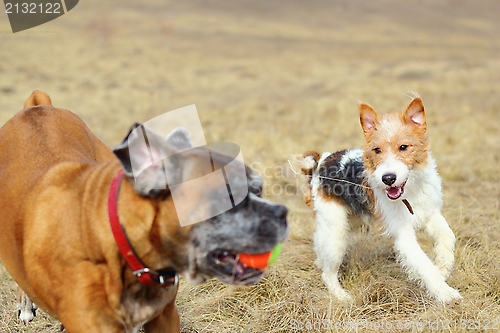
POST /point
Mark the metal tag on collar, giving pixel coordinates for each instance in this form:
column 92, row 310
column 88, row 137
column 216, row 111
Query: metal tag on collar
column 161, row 278
column 139, row 272
column 174, row 283
column 176, row 280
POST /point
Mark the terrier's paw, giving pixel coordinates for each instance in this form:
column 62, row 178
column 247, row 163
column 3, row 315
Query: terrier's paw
column 447, row 296
column 342, row 295
column 335, row 288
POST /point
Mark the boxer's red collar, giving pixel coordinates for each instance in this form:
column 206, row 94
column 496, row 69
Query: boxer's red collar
column 144, row 275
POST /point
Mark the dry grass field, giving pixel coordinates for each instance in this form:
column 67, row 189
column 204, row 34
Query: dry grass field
column 282, row 77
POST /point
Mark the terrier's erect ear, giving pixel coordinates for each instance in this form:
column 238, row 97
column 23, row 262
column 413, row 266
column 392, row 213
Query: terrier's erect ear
column 415, row 114
column 368, row 118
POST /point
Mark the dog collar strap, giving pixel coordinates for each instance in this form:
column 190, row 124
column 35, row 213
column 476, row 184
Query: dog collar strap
column 407, row 204
column 144, row 275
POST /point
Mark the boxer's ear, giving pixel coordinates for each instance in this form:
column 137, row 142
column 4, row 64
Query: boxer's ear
column 143, row 155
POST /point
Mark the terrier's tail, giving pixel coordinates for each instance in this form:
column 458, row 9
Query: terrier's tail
column 308, row 162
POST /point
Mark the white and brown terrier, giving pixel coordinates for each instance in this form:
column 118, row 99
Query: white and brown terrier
column 393, row 179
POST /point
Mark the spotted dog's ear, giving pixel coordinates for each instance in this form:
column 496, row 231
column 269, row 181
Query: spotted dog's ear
column 254, row 181
column 180, row 139
column 368, row 118
column 147, row 160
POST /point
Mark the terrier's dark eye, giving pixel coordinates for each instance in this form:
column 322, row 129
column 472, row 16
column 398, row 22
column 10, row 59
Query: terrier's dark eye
column 377, row 150
column 403, row 147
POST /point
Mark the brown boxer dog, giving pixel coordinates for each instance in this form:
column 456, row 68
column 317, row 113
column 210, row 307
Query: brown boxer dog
column 59, row 187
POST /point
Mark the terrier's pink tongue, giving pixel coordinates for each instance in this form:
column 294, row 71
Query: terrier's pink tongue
column 394, row 192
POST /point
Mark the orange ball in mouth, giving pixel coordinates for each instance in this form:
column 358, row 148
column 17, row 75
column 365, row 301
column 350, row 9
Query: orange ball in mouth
column 260, row 260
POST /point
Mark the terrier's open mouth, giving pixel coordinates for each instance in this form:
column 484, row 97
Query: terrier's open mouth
column 395, row 192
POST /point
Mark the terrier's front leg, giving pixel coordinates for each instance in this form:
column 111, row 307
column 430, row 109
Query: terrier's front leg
column 414, row 259
column 444, row 241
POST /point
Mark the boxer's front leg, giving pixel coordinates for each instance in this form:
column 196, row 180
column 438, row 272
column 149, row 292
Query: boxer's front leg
column 167, row 322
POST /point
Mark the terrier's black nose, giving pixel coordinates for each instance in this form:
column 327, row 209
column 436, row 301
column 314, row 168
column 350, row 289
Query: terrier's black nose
column 389, row 179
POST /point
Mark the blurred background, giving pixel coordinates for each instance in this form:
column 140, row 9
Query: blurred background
column 279, row 78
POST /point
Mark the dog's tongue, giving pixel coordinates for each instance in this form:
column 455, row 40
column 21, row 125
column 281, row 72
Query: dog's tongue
column 394, row 192
column 230, row 259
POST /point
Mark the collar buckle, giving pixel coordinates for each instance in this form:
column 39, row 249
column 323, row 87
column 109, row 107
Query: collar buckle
column 139, row 272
